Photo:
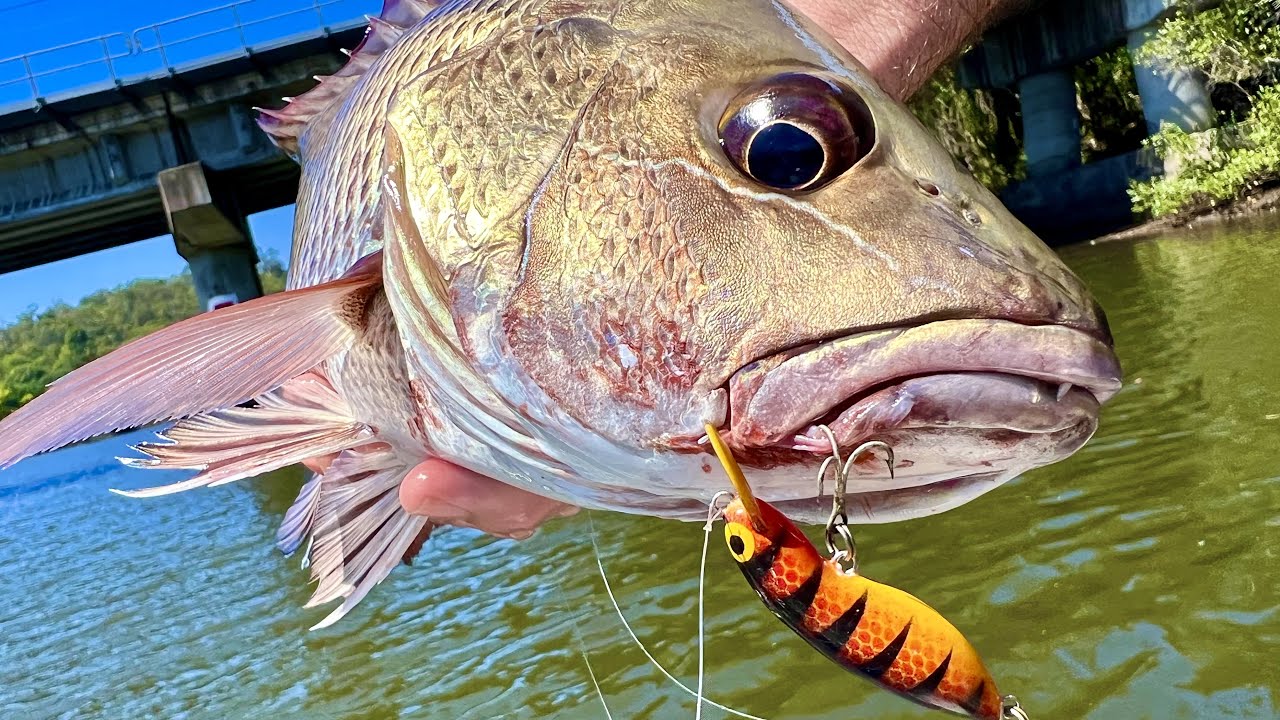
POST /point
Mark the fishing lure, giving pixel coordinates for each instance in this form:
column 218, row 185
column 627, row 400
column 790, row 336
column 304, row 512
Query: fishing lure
column 871, row 629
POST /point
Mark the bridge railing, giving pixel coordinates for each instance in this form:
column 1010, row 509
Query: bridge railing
column 32, row 77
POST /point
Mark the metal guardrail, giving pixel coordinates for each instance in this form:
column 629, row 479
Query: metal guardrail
column 31, row 77
column 147, row 40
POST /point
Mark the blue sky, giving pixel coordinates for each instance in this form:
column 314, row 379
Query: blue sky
column 46, row 23
column 70, row 280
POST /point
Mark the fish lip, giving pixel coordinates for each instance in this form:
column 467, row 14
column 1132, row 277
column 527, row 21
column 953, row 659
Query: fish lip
column 776, row 401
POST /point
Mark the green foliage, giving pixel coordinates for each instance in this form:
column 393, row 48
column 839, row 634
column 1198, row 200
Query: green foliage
column 1235, row 44
column 273, row 273
column 1216, row 165
column 981, row 128
column 1111, row 119
column 39, row 348
column 974, row 126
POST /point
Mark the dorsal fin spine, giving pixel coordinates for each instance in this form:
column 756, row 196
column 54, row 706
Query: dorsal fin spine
column 286, row 125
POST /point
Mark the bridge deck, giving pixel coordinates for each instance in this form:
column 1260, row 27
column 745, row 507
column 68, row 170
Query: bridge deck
column 77, row 170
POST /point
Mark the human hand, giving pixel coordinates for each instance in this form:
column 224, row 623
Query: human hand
column 453, row 495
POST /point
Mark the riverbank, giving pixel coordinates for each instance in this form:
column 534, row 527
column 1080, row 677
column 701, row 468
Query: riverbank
column 1257, row 204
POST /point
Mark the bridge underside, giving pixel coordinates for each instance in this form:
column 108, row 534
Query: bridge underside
column 79, row 173
column 132, row 213
column 1061, row 198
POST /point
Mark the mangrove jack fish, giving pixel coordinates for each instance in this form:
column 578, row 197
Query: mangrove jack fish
column 542, row 242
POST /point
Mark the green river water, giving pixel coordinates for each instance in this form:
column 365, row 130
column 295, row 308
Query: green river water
column 1138, row 579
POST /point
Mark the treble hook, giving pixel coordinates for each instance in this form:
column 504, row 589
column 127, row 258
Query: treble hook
column 1011, row 709
column 838, row 520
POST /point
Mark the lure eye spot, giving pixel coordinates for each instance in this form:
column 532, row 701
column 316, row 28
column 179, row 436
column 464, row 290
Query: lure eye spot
column 741, row 541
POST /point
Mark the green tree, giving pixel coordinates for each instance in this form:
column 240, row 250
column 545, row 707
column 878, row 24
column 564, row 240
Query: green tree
column 978, row 127
column 273, row 273
column 1237, row 46
column 39, row 348
column 1111, row 119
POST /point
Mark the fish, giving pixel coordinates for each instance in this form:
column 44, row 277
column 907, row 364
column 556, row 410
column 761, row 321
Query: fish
column 538, row 244
column 871, row 629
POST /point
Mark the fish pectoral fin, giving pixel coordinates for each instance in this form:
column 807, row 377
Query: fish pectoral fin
column 299, row 519
column 358, row 517
column 209, row 362
column 302, row 419
column 415, row 547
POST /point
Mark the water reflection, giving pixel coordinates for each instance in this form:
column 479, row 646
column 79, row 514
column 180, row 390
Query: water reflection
column 1136, row 580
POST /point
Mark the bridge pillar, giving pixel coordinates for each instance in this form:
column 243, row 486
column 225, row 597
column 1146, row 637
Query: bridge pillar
column 1177, row 96
column 211, row 234
column 1050, row 122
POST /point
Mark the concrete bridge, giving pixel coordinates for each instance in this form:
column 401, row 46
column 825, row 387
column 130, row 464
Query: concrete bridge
column 1034, row 54
column 175, row 150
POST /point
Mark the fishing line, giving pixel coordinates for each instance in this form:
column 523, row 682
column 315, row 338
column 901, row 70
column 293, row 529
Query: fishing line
column 598, row 691
column 702, row 581
column 306, row 554
column 608, row 715
column 713, row 513
column 618, row 609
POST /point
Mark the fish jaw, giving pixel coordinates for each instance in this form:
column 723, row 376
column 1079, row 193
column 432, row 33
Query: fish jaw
column 966, row 405
column 970, row 374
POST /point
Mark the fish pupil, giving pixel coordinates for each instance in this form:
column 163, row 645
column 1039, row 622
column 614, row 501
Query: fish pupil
column 736, row 545
column 784, row 156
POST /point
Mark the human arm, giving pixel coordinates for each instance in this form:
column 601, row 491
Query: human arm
column 903, row 42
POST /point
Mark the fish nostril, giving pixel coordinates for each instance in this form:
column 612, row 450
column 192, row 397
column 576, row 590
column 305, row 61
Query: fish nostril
column 928, row 188
column 971, row 216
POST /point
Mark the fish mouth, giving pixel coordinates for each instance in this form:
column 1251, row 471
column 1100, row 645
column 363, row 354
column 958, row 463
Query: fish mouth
column 966, row 404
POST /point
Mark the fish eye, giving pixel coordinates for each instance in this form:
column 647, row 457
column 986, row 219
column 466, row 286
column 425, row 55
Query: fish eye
column 741, row 541
column 796, row 132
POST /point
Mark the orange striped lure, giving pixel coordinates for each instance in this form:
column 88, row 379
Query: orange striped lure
column 869, row 628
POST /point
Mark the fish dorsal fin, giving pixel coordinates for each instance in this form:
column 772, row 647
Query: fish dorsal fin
column 286, row 125
column 209, row 362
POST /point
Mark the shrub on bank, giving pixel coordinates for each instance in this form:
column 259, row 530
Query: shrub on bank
column 1237, row 47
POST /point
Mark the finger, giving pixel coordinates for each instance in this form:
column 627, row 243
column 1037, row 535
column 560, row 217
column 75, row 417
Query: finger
column 453, row 495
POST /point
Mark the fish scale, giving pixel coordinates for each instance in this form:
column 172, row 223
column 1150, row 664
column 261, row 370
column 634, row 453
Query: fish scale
column 340, row 147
